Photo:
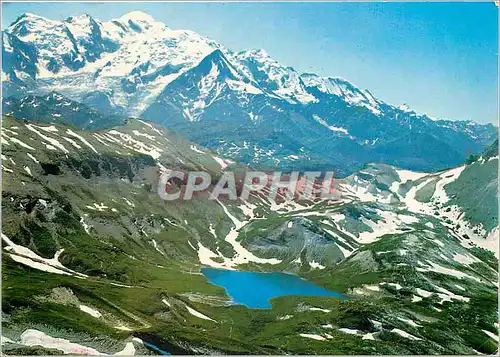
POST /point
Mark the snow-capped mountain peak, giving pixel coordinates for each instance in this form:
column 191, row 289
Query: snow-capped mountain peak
column 213, row 79
column 257, row 53
column 29, row 22
column 139, row 21
column 273, row 76
column 405, row 108
column 28, row 27
column 88, row 35
column 344, row 89
column 131, row 58
column 78, row 23
column 79, row 19
column 51, row 45
column 138, row 16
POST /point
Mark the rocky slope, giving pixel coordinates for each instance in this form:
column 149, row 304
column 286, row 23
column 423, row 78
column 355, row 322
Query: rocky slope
column 55, row 108
column 93, row 256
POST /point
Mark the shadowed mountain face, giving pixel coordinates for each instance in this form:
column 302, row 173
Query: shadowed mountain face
column 55, row 108
column 246, row 106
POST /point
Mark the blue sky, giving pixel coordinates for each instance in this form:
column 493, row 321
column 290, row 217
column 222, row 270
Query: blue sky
column 440, row 58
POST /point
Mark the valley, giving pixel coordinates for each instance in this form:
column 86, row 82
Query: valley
column 92, row 255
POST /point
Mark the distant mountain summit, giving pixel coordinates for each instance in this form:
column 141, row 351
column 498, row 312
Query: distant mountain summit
column 246, row 105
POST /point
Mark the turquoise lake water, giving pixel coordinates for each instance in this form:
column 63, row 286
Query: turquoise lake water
column 156, row 348
column 254, row 290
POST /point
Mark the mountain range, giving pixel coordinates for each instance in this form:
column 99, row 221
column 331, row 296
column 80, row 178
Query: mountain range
column 245, row 105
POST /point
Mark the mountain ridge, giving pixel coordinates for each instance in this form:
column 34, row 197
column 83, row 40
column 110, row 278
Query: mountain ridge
column 252, row 54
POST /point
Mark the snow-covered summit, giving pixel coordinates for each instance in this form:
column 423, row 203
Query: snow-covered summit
column 257, row 53
column 30, row 22
column 139, row 21
column 344, row 89
column 138, row 16
column 273, row 76
column 133, row 57
column 405, row 108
